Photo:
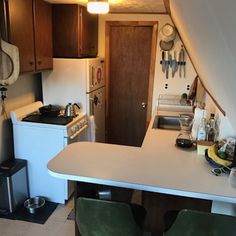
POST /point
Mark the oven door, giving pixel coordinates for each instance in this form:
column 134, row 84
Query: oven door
column 80, row 135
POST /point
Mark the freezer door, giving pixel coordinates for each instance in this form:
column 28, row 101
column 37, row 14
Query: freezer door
column 96, row 111
column 96, row 74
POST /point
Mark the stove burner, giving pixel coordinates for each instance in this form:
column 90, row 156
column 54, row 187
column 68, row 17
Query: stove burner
column 55, row 120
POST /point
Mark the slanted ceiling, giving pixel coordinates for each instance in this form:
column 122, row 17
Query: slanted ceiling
column 207, row 28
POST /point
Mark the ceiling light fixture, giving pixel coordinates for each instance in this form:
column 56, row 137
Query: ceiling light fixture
column 98, row 6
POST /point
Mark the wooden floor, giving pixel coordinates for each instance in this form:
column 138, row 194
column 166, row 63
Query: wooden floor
column 56, row 225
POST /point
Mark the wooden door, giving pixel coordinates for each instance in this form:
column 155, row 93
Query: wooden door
column 130, row 71
column 20, row 31
column 43, row 35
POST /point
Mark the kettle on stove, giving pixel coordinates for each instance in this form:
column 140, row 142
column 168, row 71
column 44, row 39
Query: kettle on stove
column 70, row 110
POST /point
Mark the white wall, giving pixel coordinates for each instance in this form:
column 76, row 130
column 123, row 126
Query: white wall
column 25, row 90
column 208, row 30
column 176, row 85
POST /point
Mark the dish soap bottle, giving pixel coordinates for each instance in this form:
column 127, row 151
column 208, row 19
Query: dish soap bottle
column 201, row 136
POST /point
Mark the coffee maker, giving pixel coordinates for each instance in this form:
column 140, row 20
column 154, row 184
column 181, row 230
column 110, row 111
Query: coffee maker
column 184, row 139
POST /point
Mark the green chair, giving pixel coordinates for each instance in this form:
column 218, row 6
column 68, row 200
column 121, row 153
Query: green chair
column 195, row 223
column 108, row 218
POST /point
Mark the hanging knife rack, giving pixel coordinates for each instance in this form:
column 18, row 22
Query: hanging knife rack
column 169, row 62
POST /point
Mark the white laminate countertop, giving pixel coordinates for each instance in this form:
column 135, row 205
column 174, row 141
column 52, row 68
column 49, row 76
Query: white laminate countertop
column 158, row 166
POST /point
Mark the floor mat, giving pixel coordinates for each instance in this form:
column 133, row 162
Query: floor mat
column 40, row 217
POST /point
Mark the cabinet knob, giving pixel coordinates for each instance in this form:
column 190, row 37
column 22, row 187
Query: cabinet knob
column 39, row 62
column 31, row 63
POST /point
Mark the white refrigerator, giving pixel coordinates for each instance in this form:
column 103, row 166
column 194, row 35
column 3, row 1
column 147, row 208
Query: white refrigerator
column 78, row 81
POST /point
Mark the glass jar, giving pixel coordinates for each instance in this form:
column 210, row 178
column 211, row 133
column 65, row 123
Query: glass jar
column 184, row 138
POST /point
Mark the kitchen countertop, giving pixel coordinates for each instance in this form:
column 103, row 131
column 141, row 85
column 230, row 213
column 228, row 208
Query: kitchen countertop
column 158, row 166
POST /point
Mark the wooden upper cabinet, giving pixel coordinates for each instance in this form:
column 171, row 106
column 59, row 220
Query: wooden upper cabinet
column 76, row 33
column 88, row 33
column 43, row 35
column 20, row 31
column 29, row 27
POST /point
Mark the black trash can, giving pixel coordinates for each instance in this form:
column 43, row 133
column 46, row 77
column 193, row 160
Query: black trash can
column 13, row 185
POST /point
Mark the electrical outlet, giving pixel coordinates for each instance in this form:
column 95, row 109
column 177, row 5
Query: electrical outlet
column 166, row 86
column 188, row 86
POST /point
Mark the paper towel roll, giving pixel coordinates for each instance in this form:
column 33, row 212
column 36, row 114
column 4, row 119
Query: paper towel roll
column 198, row 114
column 92, row 125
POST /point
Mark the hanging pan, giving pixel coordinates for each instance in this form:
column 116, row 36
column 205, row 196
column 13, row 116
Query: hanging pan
column 166, row 46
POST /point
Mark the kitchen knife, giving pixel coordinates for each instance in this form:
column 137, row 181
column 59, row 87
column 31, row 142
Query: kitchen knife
column 163, row 61
column 180, row 62
column 167, row 64
column 184, row 63
column 170, row 58
column 174, row 64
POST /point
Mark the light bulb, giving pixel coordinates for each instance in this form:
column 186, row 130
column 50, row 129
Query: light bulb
column 98, row 7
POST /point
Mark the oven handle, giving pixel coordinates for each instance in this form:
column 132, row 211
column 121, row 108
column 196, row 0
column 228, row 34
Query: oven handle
column 78, row 132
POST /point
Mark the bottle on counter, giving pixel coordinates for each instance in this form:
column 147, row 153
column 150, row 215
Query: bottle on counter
column 211, row 134
column 201, row 136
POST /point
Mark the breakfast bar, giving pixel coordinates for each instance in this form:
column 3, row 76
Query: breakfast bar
column 158, row 166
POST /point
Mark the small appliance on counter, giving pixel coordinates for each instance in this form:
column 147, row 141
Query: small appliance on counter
column 13, row 185
column 184, row 139
column 70, row 110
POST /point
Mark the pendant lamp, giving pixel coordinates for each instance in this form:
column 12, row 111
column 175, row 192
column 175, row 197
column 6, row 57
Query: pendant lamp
column 98, row 6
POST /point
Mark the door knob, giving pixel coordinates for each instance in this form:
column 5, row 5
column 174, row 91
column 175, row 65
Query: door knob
column 144, row 105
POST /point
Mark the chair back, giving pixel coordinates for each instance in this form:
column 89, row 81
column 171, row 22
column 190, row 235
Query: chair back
column 105, row 218
column 195, row 223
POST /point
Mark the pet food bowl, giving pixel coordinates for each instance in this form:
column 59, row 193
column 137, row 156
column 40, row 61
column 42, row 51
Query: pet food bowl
column 34, row 204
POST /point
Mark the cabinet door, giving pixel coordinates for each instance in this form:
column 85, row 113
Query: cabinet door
column 88, row 33
column 20, row 30
column 76, row 33
column 43, row 35
column 3, row 21
column 65, row 30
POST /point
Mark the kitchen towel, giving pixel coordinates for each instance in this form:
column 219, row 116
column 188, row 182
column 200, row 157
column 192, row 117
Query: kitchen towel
column 92, row 130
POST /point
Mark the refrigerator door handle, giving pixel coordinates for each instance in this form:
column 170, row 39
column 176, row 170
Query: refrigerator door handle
column 93, row 76
column 91, row 79
column 91, row 107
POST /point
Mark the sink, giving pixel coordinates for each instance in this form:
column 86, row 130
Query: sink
column 166, row 122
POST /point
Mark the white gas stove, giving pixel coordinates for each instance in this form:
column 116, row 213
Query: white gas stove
column 38, row 139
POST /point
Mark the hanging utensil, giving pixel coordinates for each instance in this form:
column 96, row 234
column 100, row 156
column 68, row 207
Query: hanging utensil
column 170, row 59
column 174, row 64
column 184, row 63
column 166, row 46
column 163, row 61
column 180, row 62
column 167, row 64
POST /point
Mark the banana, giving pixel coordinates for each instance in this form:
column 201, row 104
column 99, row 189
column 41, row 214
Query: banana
column 212, row 154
